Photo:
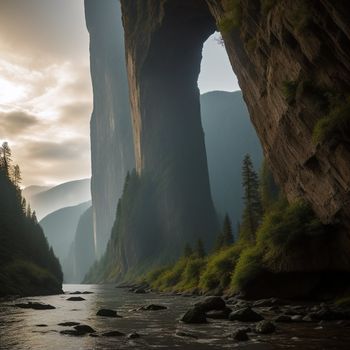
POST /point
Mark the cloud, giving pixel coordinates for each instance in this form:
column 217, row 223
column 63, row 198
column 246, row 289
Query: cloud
column 15, row 123
column 56, row 151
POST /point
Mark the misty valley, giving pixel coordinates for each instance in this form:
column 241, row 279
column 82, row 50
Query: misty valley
column 175, row 174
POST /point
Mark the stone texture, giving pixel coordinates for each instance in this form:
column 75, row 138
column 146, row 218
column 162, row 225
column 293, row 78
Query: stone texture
column 111, row 133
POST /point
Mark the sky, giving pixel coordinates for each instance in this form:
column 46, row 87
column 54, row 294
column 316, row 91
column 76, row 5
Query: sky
column 45, row 87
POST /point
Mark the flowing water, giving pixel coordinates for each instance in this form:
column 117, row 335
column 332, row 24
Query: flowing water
column 19, row 328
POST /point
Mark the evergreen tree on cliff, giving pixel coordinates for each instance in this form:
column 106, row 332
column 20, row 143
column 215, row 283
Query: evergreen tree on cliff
column 252, row 213
column 27, row 264
column 228, row 238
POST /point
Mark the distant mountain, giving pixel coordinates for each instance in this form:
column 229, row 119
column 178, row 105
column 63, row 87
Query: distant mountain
column 31, row 191
column 229, row 135
column 60, row 226
column 61, row 196
column 82, row 251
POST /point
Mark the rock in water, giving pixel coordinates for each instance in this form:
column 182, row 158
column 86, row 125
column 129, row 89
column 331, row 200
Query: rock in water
column 133, row 335
column 113, row 334
column 245, row 315
column 240, row 335
column 265, row 327
column 68, row 324
column 75, row 299
column 35, row 306
column 84, row 329
column 153, row 307
column 211, row 303
column 107, row 313
column 194, row 315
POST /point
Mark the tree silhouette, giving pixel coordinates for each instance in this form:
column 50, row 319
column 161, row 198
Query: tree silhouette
column 227, row 233
column 252, row 213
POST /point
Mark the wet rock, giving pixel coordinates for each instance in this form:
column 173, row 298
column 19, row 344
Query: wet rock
column 68, row 324
column 78, row 293
column 152, row 307
column 245, row 315
column 78, row 330
column 107, row 313
column 269, row 302
column 75, row 299
column 93, row 335
column 219, row 314
column 185, row 334
column 140, row 291
column 326, row 314
column 133, row 335
column 113, row 334
column 194, row 315
column 283, row 319
column 35, row 306
column 240, row 335
column 265, row 327
column 211, row 303
column 84, row 329
column 41, row 325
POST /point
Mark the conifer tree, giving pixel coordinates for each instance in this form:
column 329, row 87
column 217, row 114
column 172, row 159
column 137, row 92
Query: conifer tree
column 227, row 234
column 5, row 152
column 17, row 176
column 252, row 213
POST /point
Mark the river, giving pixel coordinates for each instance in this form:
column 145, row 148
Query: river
column 19, row 328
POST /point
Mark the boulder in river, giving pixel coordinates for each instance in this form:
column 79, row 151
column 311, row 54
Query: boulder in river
column 327, row 314
column 152, row 307
column 35, row 306
column 133, row 335
column 68, row 324
column 79, row 330
column 75, row 299
column 240, row 335
column 194, row 315
column 245, row 315
column 265, row 327
column 113, row 334
column 107, row 313
column 211, row 303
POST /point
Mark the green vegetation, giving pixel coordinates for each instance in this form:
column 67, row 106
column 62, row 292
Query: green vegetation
column 28, row 265
column 271, row 244
column 337, row 122
column 233, row 16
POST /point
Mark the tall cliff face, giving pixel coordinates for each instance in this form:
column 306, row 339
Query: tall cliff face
column 292, row 61
column 111, row 131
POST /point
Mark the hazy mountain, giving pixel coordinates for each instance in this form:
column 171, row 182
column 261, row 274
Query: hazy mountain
column 229, row 135
column 31, row 191
column 61, row 196
column 60, row 226
column 82, row 251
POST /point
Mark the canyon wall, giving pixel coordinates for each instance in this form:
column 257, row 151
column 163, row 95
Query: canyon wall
column 291, row 58
column 111, row 131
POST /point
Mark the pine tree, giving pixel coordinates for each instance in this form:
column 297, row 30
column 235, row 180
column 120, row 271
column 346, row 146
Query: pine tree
column 17, row 176
column 252, row 201
column 5, row 152
column 188, row 251
column 200, row 252
column 227, row 234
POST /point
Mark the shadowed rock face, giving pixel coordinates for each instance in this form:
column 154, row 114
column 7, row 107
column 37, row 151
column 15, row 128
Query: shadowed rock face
column 303, row 45
column 111, row 132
